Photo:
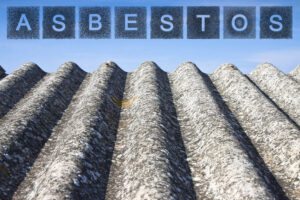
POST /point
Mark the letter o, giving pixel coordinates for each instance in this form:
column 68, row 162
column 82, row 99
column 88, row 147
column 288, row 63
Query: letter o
column 234, row 20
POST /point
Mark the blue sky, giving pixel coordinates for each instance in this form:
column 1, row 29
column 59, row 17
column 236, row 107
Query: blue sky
column 207, row 54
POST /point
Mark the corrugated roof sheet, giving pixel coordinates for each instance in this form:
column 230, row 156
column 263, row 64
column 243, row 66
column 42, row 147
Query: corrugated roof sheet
column 149, row 134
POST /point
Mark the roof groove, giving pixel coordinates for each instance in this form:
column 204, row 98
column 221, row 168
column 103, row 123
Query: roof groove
column 180, row 174
column 212, row 148
column 29, row 124
column 279, row 87
column 272, row 101
column 275, row 137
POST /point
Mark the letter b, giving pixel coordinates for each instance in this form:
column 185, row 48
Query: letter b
column 94, row 22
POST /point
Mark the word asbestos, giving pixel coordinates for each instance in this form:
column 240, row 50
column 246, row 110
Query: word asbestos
column 131, row 22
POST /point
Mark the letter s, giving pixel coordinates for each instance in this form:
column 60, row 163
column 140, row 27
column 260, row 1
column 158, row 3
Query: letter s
column 62, row 24
column 164, row 21
column 272, row 20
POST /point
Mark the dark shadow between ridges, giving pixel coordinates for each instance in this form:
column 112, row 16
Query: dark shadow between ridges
column 263, row 171
column 284, row 113
column 99, row 156
column 181, row 187
column 31, row 141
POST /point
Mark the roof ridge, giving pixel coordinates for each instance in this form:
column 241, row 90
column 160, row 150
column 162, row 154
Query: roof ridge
column 29, row 65
column 265, row 66
column 68, row 66
column 185, row 65
column 147, row 64
column 226, row 67
column 110, row 64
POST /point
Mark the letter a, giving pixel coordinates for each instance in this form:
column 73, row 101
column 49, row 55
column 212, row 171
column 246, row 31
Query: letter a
column 23, row 22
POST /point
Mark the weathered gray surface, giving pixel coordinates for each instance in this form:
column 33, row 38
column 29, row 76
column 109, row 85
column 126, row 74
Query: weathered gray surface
column 220, row 167
column 282, row 89
column 14, row 86
column 295, row 74
column 26, row 127
column 75, row 162
column 147, row 162
column 275, row 137
column 186, row 135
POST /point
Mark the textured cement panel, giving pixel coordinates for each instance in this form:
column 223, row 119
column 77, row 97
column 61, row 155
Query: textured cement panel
column 149, row 134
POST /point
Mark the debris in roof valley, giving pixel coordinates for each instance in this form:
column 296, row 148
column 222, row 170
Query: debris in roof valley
column 149, row 134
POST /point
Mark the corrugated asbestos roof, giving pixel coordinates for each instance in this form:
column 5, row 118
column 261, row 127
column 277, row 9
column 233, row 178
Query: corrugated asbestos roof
column 149, row 134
